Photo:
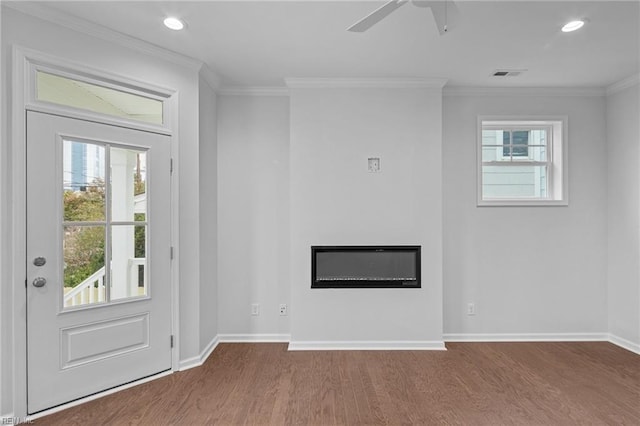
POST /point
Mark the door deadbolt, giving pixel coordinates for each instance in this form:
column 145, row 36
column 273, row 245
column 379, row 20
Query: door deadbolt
column 39, row 282
column 39, row 261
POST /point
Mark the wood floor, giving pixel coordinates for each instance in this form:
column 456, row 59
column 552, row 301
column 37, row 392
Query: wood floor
column 470, row 384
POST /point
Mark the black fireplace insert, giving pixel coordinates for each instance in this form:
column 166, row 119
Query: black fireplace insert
column 365, row 266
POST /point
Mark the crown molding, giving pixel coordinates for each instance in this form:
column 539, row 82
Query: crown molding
column 365, row 83
column 523, row 91
column 253, row 91
column 212, row 79
column 74, row 23
column 623, row 84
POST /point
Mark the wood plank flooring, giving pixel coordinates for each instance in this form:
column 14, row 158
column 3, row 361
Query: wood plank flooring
column 470, row 384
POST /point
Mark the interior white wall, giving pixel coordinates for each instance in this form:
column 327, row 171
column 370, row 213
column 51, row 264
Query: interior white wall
column 335, row 201
column 623, row 154
column 208, row 165
column 29, row 32
column 253, row 213
column 527, row 269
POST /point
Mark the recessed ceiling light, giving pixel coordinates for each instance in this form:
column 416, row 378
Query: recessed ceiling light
column 173, row 23
column 572, row 26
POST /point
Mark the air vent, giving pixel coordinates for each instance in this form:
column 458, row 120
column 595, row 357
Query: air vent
column 507, row 73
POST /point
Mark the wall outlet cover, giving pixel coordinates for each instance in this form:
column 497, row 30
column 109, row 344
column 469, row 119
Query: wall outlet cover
column 471, row 309
column 283, row 309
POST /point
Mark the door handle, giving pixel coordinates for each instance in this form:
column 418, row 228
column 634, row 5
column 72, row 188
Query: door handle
column 39, row 282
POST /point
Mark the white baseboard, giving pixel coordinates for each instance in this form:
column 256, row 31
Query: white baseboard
column 544, row 337
column 624, row 343
column 255, row 338
column 197, row 361
column 307, row 345
column 526, row 337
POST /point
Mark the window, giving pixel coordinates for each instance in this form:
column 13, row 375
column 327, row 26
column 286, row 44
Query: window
column 101, row 99
column 515, row 143
column 522, row 161
column 104, row 192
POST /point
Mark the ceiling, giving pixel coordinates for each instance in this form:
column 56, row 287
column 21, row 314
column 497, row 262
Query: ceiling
column 260, row 43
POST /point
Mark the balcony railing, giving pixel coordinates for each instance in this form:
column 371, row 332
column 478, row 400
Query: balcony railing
column 92, row 289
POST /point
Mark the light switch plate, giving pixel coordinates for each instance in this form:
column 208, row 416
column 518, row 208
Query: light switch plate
column 374, row 164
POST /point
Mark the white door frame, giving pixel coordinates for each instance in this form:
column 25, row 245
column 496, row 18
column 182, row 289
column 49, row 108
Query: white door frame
column 24, row 62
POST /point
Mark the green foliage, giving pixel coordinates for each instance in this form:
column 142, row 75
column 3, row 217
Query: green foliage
column 140, row 237
column 85, row 205
column 139, row 186
column 84, row 246
column 83, row 253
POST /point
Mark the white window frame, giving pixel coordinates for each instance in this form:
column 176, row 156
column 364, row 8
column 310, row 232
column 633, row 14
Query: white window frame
column 557, row 158
column 94, row 77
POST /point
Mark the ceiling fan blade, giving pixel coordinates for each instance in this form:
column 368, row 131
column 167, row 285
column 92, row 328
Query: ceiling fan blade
column 376, row 16
column 445, row 13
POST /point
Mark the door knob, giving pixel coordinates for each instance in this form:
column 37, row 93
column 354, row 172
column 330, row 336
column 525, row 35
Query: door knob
column 39, row 282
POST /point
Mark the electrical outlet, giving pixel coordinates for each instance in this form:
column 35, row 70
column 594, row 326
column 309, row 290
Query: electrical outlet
column 471, row 309
column 283, row 309
column 255, row 309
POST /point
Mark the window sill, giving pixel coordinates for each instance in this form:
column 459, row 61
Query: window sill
column 522, row 203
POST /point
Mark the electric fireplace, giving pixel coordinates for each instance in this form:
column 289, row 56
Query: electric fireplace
column 365, row 266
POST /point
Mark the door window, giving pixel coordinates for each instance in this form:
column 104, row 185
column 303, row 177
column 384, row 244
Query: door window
column 104, row 223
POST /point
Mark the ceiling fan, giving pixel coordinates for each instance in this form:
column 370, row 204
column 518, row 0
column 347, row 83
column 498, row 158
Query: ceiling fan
column 444, row 13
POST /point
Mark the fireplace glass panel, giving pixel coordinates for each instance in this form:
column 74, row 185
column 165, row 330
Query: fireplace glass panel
column 356, row 266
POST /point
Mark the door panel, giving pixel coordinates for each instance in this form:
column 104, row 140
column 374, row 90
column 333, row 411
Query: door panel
column 98, row 223
column 90, row 342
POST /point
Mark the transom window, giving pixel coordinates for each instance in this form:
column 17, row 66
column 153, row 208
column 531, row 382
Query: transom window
column 522, row 162
column 100, row 99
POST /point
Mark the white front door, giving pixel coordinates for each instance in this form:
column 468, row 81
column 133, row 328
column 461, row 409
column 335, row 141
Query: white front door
column 98, row 257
